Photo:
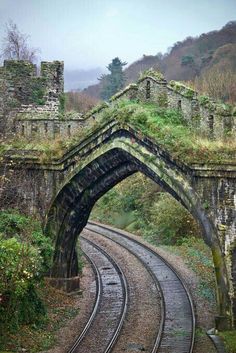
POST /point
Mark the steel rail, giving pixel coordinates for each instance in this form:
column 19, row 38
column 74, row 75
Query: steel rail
column 159, row 289
column 120, row 233
column 95, row 313
column 95, row 307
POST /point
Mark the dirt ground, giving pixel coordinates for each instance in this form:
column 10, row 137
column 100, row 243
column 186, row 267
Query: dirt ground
column 204, row 312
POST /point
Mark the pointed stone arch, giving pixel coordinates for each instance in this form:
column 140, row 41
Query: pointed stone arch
column 110, row 159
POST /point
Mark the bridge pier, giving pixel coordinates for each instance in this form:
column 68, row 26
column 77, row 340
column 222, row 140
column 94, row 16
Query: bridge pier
column 90, row 170
column 67, row 285
column 216, row 186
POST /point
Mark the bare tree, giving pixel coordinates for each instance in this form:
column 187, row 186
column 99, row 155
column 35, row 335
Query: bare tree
column 80, row 102
column 218, row 82
column 15, row 45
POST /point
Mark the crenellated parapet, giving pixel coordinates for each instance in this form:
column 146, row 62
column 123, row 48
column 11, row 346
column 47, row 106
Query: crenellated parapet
column 32, row 105
column 27, row 88
column 24, row 93
column 63, row 189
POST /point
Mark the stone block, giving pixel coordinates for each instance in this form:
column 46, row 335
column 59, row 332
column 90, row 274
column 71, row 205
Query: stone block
column 67, row 285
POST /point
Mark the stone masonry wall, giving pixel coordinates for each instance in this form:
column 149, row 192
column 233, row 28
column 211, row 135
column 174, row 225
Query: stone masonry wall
column 219, row 198
column 214, row 120
column 33, row 189
column 23, row 91
column 36, row 102
column 24, row 87
column 32, row 105
column 48, row 128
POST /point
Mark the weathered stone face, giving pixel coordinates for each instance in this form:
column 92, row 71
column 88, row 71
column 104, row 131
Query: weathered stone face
column 38, row 100
column 233, row 269
column 198, row 190
column 32, row 106
column 67, row 190
column 30, row 94
column 23, row 83
column 212, row 120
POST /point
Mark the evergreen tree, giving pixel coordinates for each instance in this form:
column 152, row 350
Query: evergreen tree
column 114, row 81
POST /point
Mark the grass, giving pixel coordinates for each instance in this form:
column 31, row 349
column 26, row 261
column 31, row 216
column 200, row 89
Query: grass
column 61, row 309
column 229, row 338
column 197, row 256
column 166, row 127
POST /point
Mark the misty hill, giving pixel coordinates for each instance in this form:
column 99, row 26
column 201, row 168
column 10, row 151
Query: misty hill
column 188, row 58
column 79, row 79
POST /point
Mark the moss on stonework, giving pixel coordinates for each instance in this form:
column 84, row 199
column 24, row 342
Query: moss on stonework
column 204, row 100
column 182, row 89
column 34, row 116
column 96, row 109
column 19, row 68
column 162, row 100
column 37, row 91
column 125, row 90
column 61, row 103
column 157, row 75
column 167, row 128
column 219, row 108
column 12, row 103
column 72, row 115
column 223, row 109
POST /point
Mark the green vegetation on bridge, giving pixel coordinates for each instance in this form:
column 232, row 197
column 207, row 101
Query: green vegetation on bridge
column 169, row 130
column 165, row 127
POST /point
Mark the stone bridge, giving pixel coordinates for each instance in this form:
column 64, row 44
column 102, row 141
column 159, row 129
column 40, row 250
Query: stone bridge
column 63, row 191
column 69, row 187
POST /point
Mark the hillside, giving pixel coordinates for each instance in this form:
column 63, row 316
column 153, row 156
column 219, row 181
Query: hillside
column 79, row 79
column 188, row 58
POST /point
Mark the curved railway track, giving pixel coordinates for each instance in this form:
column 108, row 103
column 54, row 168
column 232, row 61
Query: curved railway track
column 177, row 329
column 107, row 317
column 152, row 342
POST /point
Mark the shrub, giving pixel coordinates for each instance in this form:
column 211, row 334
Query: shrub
column 20, row 267
column 171, row 222
column 137, row 204
column 25, row 255
column 26, row 229
column 20, row 263
column 12, row 223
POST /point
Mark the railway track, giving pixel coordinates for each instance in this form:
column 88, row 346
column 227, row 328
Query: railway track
column 176, row 332
column 146, row 303
column 107, row 317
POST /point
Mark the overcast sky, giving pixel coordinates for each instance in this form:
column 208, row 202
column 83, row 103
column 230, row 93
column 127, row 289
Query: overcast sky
column 89, row 33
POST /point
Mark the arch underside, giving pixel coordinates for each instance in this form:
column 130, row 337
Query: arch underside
column 71, row 208
column 80, row 196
